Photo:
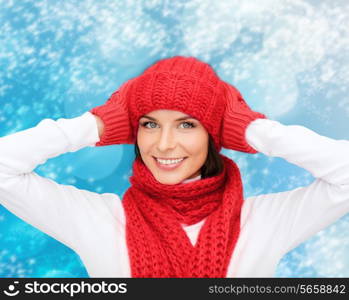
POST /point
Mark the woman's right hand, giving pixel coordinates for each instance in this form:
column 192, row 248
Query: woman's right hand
column 114, row 126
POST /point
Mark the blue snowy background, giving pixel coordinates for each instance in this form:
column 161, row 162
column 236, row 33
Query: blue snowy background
column 290, row 60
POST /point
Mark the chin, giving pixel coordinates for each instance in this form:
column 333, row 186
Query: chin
column 168, row 180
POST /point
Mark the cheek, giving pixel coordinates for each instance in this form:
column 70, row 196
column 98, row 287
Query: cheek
column 141, row 141
column 196, row 144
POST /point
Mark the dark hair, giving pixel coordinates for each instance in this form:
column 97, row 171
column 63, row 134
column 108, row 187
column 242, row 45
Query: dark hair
column 213, row 164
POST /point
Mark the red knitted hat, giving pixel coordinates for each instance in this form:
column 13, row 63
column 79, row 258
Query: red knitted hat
column 180, row 83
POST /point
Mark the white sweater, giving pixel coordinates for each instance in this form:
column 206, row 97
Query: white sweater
column 93, row 225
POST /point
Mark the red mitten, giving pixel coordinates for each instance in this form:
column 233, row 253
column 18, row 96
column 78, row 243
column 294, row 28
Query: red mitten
column 115, row 116
column 237, row 117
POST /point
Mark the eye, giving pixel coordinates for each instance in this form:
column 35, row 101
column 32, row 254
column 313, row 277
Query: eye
column 144, row 124
column 190, row 124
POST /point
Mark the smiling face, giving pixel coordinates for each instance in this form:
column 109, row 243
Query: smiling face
column 177, row 139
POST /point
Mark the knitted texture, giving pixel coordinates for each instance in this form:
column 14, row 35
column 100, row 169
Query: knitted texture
column 237, row 117
column 184, row 84
column 157, row 244
column 179, row 83
column 115, row 116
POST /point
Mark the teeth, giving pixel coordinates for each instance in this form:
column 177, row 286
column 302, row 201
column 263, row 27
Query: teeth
column 170, row 161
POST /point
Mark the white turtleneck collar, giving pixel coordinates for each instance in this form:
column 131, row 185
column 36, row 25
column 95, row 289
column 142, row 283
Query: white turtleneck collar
column 192, row 179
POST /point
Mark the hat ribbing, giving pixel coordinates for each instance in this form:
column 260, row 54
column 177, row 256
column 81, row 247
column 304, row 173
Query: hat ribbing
column 185, row 84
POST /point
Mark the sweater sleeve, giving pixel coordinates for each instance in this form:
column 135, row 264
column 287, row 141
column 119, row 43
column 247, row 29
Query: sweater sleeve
column 58, row 210
column 293, row 216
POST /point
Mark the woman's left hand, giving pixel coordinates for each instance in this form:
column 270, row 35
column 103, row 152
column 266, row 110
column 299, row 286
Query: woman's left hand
column 238, row 115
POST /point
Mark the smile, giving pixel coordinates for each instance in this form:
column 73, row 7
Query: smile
column 170, row 164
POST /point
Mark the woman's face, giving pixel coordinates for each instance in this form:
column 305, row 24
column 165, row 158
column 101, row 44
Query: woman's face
column 169, row 134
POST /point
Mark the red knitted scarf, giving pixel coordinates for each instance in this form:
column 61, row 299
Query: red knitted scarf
column 157, row 244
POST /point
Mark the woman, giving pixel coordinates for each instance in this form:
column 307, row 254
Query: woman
column 184, row 214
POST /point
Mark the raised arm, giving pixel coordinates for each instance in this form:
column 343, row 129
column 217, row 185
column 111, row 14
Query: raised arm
column 56, row 209
column 293, row 216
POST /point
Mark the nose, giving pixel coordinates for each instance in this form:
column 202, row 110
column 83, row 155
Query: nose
column 166, row 140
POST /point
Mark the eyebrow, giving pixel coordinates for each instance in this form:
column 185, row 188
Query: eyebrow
column 180, row 119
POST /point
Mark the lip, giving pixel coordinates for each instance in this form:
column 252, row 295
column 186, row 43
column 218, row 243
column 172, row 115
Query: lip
column 166, row 158
column 169, row 167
